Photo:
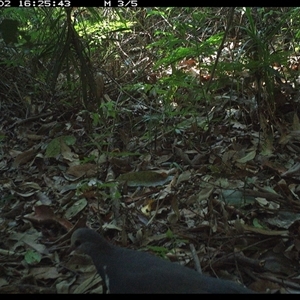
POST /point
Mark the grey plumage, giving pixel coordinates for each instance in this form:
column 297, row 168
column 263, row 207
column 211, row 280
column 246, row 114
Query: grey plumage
column 131, row 271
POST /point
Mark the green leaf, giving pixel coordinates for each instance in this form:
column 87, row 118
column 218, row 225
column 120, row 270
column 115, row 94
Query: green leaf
column 256, row 223
column 32, row 257
column 69, row 139
column 249, row 156
column 53, row 148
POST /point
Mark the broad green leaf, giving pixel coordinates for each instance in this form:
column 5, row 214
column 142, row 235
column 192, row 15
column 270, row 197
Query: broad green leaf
column 32, row 257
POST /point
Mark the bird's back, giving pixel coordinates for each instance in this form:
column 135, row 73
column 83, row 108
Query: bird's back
column 140, row 272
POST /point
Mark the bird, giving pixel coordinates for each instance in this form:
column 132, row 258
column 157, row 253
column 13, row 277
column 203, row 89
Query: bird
column 132, row 271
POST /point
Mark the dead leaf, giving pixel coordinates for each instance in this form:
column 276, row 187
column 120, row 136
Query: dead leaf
column 44, row 214
column 145, row 178
column 24, row 157
column 88, row 170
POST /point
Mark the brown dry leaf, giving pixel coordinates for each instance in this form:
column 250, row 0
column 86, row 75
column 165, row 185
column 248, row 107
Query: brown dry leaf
column 163, row 158
column 64, row 286
column 145, row 178
column 14, row 153
column 88, row 170
column 276, row 166
column 66, row 152
column 121, row 163
column 34, row 137
column 184, row 176
column 183, row 156
column 265, row 231
column 30, row 239
column 89, row 277
column 24, row 157
column 44, row 214
column 261, row 285
column 277, row 263
column 89, row 283
column 44, row 273
column 284, row 137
